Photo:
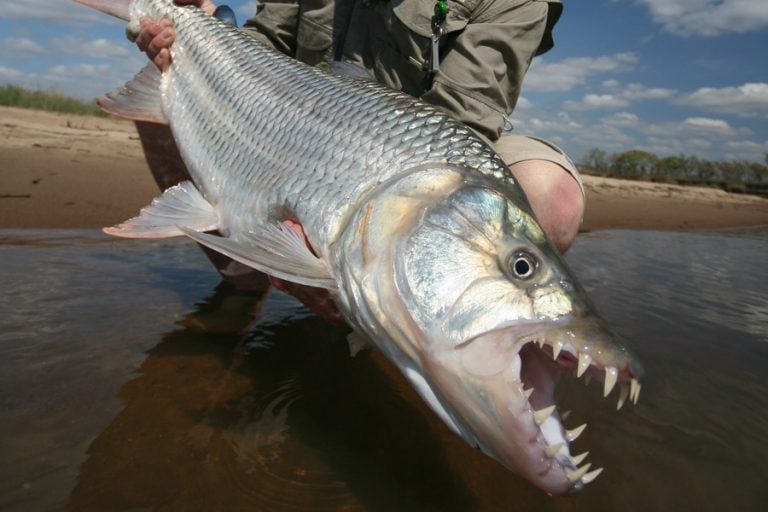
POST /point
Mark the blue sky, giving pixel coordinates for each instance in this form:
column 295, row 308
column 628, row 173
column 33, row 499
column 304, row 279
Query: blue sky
column 668, row 76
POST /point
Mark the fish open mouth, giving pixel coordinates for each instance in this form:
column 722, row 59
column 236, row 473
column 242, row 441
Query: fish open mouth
column 542, row 362
column 506, row 397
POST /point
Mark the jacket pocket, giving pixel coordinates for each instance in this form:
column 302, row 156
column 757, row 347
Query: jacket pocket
column 411, row 39
column 417, row 15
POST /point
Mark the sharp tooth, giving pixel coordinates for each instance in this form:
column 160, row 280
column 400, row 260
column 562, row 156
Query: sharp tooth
column 573, row 434
column 611, row 375
column 634, row 390
column 541, row 415
column 556, row 348
column 528, row 393
column 540, row 343
column 552, row 450
column 578, row 459
column 564, row 415
column 589, row 477
column 584, row 361
column 576, row 474
column 623, row 393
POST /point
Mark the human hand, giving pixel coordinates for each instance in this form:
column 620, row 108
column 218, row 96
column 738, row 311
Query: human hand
column 157, row 35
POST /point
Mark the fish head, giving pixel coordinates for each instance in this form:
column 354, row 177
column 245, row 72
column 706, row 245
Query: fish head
column 460, row 287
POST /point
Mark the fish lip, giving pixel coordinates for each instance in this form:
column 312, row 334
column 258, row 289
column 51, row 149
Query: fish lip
column 532, row 343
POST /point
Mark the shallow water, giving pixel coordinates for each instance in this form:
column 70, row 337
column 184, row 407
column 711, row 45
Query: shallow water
column 131, row 380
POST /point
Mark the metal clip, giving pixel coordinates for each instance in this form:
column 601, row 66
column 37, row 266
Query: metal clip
column 438, row 29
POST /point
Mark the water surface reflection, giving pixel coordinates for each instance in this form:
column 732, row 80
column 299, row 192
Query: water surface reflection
column 130, row 379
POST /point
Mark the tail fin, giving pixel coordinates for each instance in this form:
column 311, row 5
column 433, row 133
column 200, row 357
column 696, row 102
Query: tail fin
column 117, row 8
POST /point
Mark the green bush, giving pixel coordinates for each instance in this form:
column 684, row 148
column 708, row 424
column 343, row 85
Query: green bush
column 15, row 96
column 731, row 175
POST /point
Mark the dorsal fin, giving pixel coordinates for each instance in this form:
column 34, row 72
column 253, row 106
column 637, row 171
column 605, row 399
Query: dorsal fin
column 140, row 99
column 117, row 8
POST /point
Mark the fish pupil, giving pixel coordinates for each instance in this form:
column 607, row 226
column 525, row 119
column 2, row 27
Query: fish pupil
column 523, row 265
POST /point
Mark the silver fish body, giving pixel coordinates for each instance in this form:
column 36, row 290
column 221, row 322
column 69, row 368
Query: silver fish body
column 427, row 243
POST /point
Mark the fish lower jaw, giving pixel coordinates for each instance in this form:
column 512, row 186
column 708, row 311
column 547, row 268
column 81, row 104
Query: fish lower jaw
column 542, row 362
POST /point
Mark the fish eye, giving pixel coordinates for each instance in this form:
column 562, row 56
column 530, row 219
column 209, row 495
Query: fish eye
column 523, row 265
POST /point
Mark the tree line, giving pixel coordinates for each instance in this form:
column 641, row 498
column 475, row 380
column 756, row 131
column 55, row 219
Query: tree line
column 635, row 164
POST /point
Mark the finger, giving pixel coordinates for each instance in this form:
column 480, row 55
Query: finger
column 161, row 41
column 149, row 28
column 206, row 5
column 163, row 59
column 147, row 32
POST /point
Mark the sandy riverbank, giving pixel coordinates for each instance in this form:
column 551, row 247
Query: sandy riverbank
column 69, row 171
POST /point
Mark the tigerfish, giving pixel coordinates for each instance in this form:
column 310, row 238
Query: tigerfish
column 416, row 226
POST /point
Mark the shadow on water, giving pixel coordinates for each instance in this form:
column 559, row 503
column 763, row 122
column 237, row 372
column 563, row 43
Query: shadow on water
column 275, row 418
column 247, row 402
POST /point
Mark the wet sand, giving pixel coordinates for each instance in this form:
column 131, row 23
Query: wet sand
column 70, row 171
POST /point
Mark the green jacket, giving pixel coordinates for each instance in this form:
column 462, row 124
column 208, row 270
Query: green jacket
column 485, row 50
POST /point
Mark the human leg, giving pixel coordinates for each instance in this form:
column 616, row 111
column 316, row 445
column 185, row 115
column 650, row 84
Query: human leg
column 551, row 183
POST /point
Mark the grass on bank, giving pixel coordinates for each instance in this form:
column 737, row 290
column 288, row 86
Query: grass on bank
column 15, row 96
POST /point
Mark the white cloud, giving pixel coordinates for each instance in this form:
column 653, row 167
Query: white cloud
column 716, row 130
column 635, row 92
column 80, row 70
column 747, row 146
column 707, row 125
column 558, row 123
column 748, row 100
column 545, row 76
column 622, row 119
column 600, row 101
column 19, row 48
column 708, row 17
column 95, row 49
column 13, row 76
column 619, row 96
column 523, row 103
column 83, row 80
column 61, row 12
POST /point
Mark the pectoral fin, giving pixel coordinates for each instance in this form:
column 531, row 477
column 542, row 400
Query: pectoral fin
column 180, row 205
column 275, row 250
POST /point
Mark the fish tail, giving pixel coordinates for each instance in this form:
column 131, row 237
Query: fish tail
column 117, row 8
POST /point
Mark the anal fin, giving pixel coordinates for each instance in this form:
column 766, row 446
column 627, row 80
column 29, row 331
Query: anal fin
column 180, row 205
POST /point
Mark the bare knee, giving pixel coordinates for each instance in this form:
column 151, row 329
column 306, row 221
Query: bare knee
column 555, row 197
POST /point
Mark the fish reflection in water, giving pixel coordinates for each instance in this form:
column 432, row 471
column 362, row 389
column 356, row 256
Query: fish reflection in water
column 276, row 418
column 248, row 402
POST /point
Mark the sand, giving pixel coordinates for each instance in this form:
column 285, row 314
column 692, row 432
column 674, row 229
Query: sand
column 71, row 171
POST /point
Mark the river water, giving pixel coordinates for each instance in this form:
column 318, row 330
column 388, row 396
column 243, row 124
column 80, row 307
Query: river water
column 130, row 379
